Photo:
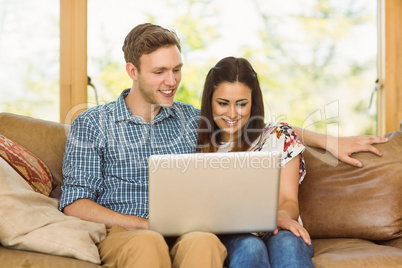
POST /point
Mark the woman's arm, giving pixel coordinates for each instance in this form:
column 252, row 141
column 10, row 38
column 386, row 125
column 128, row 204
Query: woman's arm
column 288, row 206
column 341, row 147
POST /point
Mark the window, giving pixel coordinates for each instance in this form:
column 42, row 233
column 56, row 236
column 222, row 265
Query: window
column 29, row 58
column 316, row 59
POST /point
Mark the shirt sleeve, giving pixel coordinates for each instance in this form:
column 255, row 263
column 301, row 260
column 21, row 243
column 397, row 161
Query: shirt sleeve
column 281, row 137
column 82, row 165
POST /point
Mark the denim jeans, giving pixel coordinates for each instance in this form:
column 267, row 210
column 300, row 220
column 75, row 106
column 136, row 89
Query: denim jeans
column 281, row 250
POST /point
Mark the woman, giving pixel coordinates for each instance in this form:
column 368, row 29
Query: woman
column 232, row 119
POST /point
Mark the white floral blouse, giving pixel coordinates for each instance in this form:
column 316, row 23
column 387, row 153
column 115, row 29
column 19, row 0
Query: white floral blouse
column 281, row 137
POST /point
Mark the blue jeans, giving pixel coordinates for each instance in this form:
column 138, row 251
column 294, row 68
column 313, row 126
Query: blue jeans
column 281, row 250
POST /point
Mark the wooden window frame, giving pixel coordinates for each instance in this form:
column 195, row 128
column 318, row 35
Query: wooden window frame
column 390, row 65
column 73, row 59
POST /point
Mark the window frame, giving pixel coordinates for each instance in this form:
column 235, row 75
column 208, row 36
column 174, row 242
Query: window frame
column 389, row 63
column 73, row 59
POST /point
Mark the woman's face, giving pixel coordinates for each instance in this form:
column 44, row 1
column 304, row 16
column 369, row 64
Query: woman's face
column 231, row 108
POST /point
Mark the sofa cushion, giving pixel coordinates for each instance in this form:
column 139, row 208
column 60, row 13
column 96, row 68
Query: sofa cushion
column 11, row 258
column 31, row 221
column 341, row 253
column 32, row 169
column 338, row 200
column 397, row 243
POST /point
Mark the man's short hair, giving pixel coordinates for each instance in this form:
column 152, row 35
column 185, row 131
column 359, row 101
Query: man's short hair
column 145, row 39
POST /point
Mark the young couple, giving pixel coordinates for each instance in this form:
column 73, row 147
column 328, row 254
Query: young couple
column 105, row 161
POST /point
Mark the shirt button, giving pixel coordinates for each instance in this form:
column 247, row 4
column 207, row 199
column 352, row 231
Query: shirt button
column 157, row 148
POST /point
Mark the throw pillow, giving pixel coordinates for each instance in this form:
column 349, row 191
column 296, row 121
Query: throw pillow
column 31, row 168
column 31, row 221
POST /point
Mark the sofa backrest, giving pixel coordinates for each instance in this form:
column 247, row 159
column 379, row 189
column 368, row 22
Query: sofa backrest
column 44, row 139
column 339, row 200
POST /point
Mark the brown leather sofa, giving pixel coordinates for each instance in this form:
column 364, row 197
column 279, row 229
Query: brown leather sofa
column 354, row 215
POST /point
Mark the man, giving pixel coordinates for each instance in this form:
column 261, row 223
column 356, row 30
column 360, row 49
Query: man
column 106, row 158
column 105, row 162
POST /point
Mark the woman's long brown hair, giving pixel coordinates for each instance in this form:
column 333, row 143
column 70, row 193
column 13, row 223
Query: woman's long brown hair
column 230, row 70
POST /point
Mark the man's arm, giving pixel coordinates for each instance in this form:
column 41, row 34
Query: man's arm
column 341, row 147
column 89, row 210
column 83, row 176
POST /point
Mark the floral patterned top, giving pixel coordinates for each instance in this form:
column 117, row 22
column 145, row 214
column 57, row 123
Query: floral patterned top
column 281, row 137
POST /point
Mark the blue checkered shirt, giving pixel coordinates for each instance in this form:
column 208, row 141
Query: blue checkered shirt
column 107, row 151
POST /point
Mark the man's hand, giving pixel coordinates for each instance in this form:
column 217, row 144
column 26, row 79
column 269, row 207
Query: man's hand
column 346, row 146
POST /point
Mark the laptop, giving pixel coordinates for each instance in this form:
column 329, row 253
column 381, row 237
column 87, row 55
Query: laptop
column 235, row 192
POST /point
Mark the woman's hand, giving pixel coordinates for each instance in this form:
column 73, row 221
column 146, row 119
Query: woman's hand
column 341, row 147
column 286, row 223
column 344, row 147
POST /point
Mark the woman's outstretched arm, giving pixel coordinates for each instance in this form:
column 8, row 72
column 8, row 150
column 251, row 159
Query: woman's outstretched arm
column 341, row 147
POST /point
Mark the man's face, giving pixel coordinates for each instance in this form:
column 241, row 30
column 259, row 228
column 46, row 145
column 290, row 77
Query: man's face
column 160, row 76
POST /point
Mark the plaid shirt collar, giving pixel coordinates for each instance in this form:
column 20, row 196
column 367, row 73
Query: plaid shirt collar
column 123, row 113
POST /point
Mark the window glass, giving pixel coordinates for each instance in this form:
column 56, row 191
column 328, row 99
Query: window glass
column 316, row 59
column 29, row 58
